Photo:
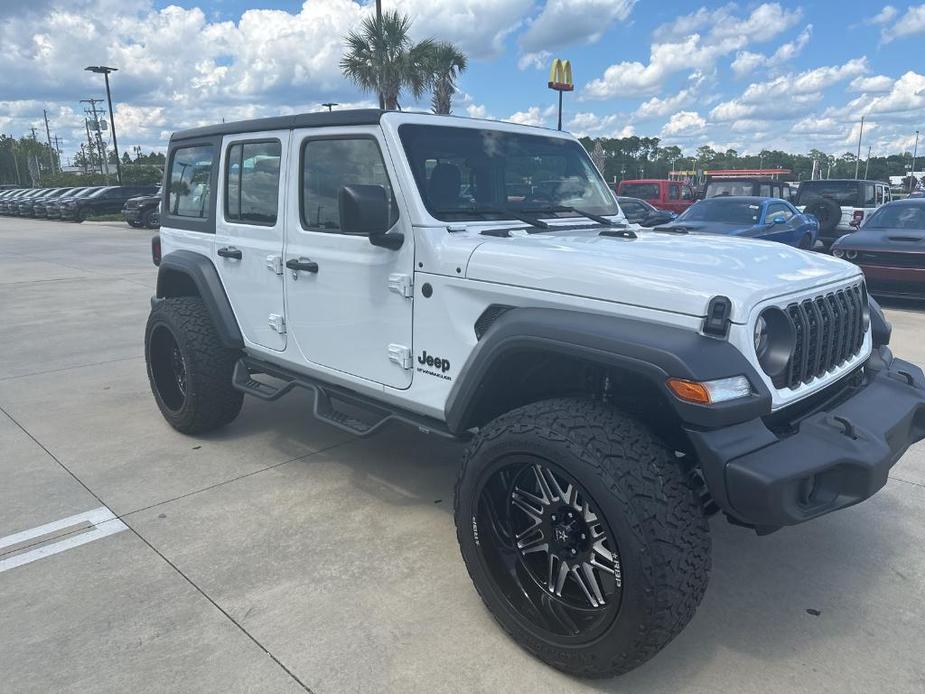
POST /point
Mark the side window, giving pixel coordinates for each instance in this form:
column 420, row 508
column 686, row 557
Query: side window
column 674, row 192
column 778, row 210
column 190, row 181
column 252, row 182
column 328, row 165
column 764, row 190
column 687, row 193
column 869, row 199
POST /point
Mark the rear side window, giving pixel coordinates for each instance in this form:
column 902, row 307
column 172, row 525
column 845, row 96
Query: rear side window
column 674, row 192
column 869, row 199
column 643, row 191
column 252, row 182
column 328, row 165
column 189, row 185
column 764, row 190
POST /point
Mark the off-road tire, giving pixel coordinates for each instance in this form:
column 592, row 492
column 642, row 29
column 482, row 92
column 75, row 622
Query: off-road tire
column 209, row 401
column 150, row 219
column 827, row 211
column 650, row 506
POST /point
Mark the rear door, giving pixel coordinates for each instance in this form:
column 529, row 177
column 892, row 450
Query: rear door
column 249, row 232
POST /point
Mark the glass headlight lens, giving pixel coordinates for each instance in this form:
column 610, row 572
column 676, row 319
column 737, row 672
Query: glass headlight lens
column 775, row 339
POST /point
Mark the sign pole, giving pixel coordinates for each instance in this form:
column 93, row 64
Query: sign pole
column 560, row 80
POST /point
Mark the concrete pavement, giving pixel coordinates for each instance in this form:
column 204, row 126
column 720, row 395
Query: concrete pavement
column 283, row 555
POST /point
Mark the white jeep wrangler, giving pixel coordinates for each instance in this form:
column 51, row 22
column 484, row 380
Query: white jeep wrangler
column 476, row 280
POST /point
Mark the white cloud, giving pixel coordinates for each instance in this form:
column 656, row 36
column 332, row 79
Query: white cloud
column 725, row 34
column 612, row 125
column 786, row 95
column 884, row 16
column 911, row 23
column 532, row 116
column 478, row 26
column 477, row 111
column 906, row 96
column 746, row 62
column 564, row 22
column 684, row 123
column 871, row 85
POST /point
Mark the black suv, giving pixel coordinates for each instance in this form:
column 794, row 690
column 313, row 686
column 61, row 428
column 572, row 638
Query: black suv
column 35, row 207
column 107, row 200
column 142, row 211
column 10, row 205
column 53, row 207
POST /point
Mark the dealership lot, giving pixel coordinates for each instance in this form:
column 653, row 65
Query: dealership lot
column 283, row 555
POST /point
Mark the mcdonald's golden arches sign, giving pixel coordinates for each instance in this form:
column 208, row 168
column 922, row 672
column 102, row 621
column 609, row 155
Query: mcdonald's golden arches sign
column 560, row 76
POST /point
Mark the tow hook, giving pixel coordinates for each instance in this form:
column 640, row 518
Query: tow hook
column 846, row 426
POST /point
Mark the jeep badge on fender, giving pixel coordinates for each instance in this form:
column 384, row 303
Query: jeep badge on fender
column 441, row 364
column 615, row 385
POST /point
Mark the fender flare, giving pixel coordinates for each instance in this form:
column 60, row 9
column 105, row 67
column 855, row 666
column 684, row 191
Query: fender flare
column 199, row 270
column 651, row 350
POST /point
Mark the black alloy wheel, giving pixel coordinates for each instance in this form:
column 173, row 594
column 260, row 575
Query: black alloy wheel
column 550, row 552
column 168, row 368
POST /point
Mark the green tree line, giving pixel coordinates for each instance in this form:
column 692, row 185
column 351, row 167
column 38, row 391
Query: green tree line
column 644, row 157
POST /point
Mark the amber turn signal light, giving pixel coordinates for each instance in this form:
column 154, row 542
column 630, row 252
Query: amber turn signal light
column 689, row 391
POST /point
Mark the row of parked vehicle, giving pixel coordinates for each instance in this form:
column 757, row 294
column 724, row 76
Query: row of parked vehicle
column 138, row 204
column 857, row 220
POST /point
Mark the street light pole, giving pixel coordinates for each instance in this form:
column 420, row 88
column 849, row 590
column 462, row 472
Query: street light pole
column 379, row 25
column 104, row 70
column 857, row 161
column 915, row 151
column 330, row 105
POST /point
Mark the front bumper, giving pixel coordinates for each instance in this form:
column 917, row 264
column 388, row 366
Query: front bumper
column 770, row 473
column 132, row 214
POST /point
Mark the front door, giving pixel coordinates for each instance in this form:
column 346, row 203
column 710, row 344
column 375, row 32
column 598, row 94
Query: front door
column 351, row 309
column 249, row 233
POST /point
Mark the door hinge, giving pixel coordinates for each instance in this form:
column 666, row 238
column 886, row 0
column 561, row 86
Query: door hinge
column 277, row 322
column 275, row 263
column 401, row 355
column 401, row 284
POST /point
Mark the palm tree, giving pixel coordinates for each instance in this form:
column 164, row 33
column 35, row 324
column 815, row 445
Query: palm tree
column 444, row 63
column 381, row 58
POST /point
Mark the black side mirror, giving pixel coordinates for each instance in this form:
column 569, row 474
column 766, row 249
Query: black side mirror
column 364, row 210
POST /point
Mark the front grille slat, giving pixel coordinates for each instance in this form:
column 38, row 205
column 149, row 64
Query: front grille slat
column 829, row 330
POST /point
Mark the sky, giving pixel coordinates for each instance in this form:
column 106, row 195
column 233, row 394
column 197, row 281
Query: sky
column 747, row 75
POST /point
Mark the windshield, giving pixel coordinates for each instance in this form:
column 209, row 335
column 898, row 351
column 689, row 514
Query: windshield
column 643, row 191
column 725, row 211
column 469, row 174
column 842, row 192
column 898, row 217
column 715, row 188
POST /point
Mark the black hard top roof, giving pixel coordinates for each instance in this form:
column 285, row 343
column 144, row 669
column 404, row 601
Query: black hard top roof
column 367, row 116
column 844, row 180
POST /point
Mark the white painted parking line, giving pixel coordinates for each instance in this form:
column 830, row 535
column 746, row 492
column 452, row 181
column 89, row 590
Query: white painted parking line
column 104, row 523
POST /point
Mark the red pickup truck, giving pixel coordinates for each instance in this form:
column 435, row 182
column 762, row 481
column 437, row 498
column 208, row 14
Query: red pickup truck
column 673, row 196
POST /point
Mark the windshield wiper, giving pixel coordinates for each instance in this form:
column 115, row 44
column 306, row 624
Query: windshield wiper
column 566, row 208
column 485, row 209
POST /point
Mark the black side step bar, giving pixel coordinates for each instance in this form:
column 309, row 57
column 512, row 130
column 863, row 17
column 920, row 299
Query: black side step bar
column 370, row 415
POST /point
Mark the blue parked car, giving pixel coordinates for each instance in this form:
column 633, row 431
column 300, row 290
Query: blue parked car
column 771, row 219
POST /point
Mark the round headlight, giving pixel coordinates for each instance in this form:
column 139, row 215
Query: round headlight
column 775, row 338
column 838, row 252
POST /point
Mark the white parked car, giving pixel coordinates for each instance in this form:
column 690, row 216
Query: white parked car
column 477, row 280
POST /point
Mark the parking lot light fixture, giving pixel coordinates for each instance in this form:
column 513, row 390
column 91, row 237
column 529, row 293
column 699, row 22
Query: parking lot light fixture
column 104, row 70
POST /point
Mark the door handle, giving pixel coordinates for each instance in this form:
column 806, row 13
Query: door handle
column 230, row 252
column 296, row 264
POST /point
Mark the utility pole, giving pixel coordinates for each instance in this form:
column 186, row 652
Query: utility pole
column 87, row 161
column 867, row 163
column 51, row 152
column 15, row 160
column 915, row 151
column 104, row 162
column 33, row 135
column 857, row 161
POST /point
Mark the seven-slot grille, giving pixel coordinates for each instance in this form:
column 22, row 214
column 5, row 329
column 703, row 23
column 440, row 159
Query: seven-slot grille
column 829, row 331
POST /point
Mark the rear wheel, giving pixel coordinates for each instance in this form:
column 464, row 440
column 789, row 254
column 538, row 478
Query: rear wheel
column 582, row 535
column 189, row 369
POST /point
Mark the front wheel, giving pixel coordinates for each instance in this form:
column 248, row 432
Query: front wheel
column 189, row 369
column 582, row 535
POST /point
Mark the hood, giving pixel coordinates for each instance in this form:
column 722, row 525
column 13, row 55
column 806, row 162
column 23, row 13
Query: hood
column 710, row 227
column 676, row 273
column 898, row 240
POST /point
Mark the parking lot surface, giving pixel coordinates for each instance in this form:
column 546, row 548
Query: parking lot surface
column 283, row 555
